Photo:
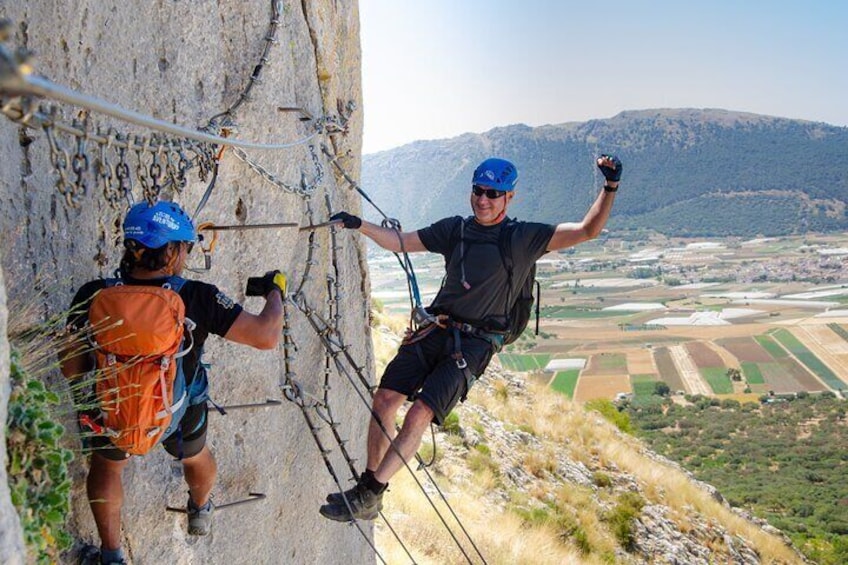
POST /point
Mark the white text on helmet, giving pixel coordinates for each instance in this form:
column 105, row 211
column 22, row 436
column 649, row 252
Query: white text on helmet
column 166, row 220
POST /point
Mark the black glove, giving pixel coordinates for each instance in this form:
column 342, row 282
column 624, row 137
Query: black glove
column 261, row 286
column 349, row 221
column 611, row 174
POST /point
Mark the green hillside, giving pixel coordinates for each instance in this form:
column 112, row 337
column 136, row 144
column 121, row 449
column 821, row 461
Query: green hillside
column 687, row 172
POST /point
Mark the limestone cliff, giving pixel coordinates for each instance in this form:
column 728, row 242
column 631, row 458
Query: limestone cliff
column 185, row 62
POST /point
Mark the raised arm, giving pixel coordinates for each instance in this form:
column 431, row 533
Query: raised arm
column 570, row 234
column 387, row 238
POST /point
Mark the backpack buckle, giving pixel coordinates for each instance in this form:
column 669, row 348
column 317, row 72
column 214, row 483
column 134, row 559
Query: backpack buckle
column 461, row 363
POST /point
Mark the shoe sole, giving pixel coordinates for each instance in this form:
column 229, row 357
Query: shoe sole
column 347, row 517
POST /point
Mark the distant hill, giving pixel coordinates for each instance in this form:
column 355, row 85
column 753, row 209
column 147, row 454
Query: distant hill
column 687, row 172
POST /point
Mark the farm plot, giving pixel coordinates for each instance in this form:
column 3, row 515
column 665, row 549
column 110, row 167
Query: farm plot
column 575, row 313
column 829, row 347
column 693, row 383
column 753, row 375
column 805, row 356
column 600, row 386
column 703, row 356
column 565, row 382
column 644, row 385
column 839, row 330
column 778, row 376
column 746, row 349
column 718, row 380
column 641, row 362
column 771, row 346
column 524, row 362
column 807, row 381
column 711, row 367
column 668, row 372
column 606, row 364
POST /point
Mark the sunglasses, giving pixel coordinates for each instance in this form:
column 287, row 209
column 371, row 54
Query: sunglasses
column 490, row 193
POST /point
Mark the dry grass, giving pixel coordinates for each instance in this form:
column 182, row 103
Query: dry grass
column 384, row 338
column 501, row 537
column 568, row 517
column 595, row 442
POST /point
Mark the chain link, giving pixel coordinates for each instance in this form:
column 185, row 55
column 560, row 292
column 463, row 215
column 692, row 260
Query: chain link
column 270, row 41
column 59, row 159
column 155, row 172
column 104, row 173
column 80, row 163
column 306, row 189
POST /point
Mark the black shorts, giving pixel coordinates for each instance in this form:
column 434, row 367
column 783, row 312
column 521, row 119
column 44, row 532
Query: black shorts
column 192, row 429
column 426, row 370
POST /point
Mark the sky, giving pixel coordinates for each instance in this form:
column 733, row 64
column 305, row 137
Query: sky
column 434, row 69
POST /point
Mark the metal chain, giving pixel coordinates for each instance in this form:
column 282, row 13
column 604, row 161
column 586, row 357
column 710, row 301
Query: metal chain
column 80, row 162
column 155, row 172
column 295, row 393
column 270, row 41
column 104, row 173
column 311, row 247
column 305, row 189
column 122, row 171
column 59, row 159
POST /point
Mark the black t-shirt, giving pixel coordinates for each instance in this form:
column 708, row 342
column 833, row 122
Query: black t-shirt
column 212, row 310
column 481, row 301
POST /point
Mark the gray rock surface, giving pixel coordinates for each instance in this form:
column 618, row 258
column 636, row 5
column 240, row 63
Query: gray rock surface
column 185, row 62
column 11, row 541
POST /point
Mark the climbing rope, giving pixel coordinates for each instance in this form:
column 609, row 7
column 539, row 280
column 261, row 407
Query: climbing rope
column 418, row 315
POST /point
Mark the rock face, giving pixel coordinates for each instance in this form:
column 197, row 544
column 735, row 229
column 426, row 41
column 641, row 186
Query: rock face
column 11, row 542
column 185, row 62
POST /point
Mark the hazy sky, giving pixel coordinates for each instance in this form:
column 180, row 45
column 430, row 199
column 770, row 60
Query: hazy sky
column 439, row 68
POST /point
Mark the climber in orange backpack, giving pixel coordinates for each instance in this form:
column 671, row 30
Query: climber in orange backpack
column 147, row 328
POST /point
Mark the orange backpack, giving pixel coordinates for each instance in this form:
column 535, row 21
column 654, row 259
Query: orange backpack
column 140, row 386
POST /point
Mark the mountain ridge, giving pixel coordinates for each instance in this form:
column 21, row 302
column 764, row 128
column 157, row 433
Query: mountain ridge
column 675, row 162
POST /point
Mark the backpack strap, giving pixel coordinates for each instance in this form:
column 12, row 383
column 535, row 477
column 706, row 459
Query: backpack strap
column 175, row 283
column 505, row 249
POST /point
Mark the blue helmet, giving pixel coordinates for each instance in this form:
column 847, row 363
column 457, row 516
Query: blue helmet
column 154, row 226
column 496, row 173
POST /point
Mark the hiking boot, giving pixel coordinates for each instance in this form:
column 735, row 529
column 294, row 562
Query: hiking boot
column 337, row 498
column 199, row 519
column 91, row 555
column 364, row 504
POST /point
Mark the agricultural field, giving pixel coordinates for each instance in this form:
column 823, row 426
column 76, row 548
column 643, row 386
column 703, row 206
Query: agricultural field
column 644, row 385
column 524, row 362
column 725, row 318
column 565, row 382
